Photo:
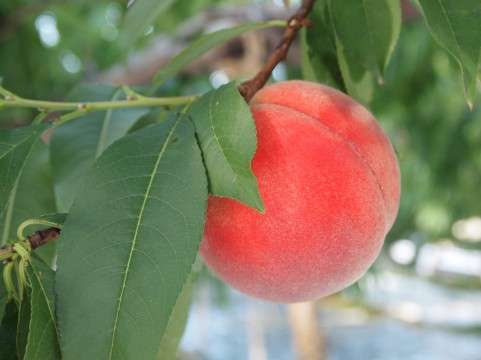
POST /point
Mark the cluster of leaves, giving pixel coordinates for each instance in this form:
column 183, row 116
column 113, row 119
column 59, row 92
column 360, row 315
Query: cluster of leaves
column 359, row 37
column 135, row 183
column 131, row 237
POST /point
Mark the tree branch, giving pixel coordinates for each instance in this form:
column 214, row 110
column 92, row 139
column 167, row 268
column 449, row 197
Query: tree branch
column 294, row 24
column 35, row 240
column 42, row 237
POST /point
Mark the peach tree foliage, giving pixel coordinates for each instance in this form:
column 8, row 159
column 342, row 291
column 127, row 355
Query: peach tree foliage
column 132, row 172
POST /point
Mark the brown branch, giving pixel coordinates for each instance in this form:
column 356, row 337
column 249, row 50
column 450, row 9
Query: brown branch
column 42, row 237
column 294, row 24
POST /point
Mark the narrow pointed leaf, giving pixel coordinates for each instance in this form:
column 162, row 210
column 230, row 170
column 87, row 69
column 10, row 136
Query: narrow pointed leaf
column 42, row 340
column 129, row 243
column 140, row 15
column 366, row 33
column 15, row 148
column 3, row 294
column 177, row 323
column 455, row 24
column 227, row 136
column 8, row 331
column 76, row 145
column 203, row 44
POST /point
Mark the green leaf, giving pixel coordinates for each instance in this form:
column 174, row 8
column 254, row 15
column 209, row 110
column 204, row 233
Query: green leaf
column 227, row 137
column 76, row 145
column 366, row 33
column 23, row 325
column 140, row 15
column 32, row 197
column 8, row 331
column 318, row 43
column 42, row 341
column 3, row 294
column 129, row 243
column 177, row 323
column 203, row 44
column 15, row 147
column 455, row 24
column 154, row 116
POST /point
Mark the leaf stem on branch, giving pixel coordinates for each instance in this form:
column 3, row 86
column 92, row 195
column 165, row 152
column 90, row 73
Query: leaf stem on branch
column 11, row 100
column 294, row 24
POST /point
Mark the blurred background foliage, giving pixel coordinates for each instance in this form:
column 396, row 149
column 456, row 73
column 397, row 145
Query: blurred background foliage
column 47, row 47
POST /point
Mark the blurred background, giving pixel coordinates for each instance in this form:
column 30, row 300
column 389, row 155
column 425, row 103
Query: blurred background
column 421, row 300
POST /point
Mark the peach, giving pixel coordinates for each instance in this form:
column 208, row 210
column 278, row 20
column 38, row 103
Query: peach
column 330, row 183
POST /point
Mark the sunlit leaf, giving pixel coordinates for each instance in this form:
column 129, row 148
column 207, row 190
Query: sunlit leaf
column 227, row 137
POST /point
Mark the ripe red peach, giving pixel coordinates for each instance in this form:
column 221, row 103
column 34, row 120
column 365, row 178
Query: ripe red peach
column 330, row 183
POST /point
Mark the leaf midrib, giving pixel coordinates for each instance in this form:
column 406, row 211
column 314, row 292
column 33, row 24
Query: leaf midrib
column 136, row 232
column 211, row 121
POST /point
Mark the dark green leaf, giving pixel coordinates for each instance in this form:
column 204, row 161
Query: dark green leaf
column 15, row 147
column 366, row 33
column 455, row 24
column 227, row 136
column 319, row 58
column 42, row 341
column 3, row 294
column 140, row 16
column 23, row 325
column 204, row 44
column 155, row 116
column 8, row 331
column 76, row 145
column 32, row 197
column 129, row 242
column 177, row 322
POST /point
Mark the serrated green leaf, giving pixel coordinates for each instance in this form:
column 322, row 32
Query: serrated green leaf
column 42, row 340
column 8, row 331
column 455, row 24
column 76, row 145
column 366, row 33
column 15, row 147
column 140, row 15
column 204, row 44
column 177, row 323
column 227, row 137
column 32, row 197
column 129, row 243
